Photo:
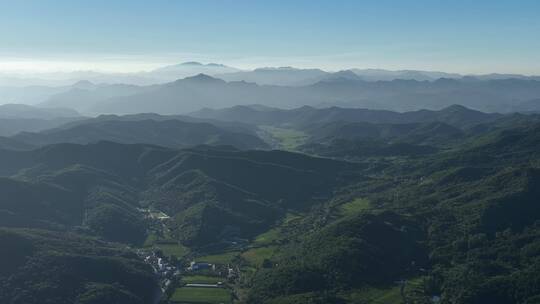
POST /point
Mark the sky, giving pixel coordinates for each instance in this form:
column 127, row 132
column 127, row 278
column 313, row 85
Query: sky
column 470, row 37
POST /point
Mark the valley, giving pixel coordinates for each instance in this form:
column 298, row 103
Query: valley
column 269, row 152
column 344, row 212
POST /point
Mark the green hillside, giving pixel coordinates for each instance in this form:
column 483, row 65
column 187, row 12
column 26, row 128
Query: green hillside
column 458, row 221
column 40, row 266
column 468, row 224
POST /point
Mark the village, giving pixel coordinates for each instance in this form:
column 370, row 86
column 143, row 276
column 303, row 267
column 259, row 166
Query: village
column 186, row 280
column 200, row 281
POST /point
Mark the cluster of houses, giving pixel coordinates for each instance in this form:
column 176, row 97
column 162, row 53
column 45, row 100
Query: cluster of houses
column 222, row 270
column 165, row 271
column 196, row 266
column 154, row 214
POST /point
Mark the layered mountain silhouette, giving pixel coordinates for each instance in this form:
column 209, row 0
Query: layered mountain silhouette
column 282, row 76
column 192, row 93
column 15, row 118
column 456, row 115
column 31, row 112
column 420, row 177
column 284, row 87
column 149, row 129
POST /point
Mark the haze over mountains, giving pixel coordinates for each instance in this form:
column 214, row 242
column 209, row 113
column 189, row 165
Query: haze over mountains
column 158, row 75
column 269, row 152
column 16, row 118
column 239, row 126
column 190, row 86
column 285, row 76
column 192, row 93
column 299, row 186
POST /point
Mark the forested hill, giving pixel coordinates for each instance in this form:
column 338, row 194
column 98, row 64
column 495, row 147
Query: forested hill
column 253, row 188
column 39, row 266
column 465, row 221
column 98, row 190
column 454, row 214
column 164, row 132
column 455, row 115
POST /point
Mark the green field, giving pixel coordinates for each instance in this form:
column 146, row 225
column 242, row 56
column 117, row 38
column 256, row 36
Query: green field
column 274, row 234
column 375, row 296
column 268, row 237
column 256, row 256
column 153, row 238
column 390, row 295
column 150, row 240
column 177, row 250
column 201, row 279
column 201, row 295
column 355, row 206
column 169, row 246
column 224, row 258
column 288, row 139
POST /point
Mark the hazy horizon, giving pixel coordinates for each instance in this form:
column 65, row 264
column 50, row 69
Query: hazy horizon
column 36, row 67
column 269, row 152
column 482, row 37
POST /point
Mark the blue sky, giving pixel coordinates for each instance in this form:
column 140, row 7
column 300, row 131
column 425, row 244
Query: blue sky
column 459, row 36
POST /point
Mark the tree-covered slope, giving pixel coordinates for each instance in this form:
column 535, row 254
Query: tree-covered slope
column 243, row 190
column 40, row 266
column 455, row 115
column 170, row 133
column 206, row 188
column 460, row 222
column 465, row 221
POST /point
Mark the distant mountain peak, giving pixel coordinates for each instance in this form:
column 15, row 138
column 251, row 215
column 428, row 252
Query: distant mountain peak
column 191, row 63
column 341, row 76
column 347, row 74
column 456, row 108
column 191, row 67
column 83, row 84
column 446, row 80
column 201, row 78
column 196, row 63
